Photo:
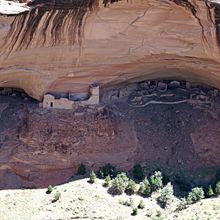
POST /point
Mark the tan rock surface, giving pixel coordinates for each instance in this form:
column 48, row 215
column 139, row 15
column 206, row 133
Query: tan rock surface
column 62, row 49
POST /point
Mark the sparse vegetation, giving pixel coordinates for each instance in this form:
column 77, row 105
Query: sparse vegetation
column 166, row 195
column 119, row 184
column 81, row 170
column 134, row 211
column 210, row 192
column 137, row 205
column 49, row 189
column 131, row 187
column 141, row 204
column 92, row 177
column 195, row 195
column 107, row 181
column 156, row 181
column 138, row 172
column 217, row 188
column 158, row 216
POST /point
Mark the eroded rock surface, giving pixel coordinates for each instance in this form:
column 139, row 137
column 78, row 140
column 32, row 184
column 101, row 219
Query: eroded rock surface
column 65, row 46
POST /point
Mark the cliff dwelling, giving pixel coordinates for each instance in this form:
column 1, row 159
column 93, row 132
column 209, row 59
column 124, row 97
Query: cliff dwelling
column 90, row 98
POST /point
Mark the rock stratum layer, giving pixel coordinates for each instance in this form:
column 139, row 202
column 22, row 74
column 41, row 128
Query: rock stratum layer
column 59, row 46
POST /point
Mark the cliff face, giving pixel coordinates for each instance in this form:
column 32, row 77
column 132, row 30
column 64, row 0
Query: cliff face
column 159, row 129
column 67, row 45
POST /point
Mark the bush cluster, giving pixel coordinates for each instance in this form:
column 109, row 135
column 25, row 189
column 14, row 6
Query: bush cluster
column 92, row 177
column 141, row 204
column 131, row 187
column 107, row 181
column 210, row 192
column 195, row 195
column 119, row 184
column 134, row 211
column 145, row 188
column 156, row 181
column 166, row 195
column 49, row 189
column 217, row 188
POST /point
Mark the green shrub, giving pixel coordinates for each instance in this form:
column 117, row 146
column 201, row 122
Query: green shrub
column 195, row 195
column 56, row 196
column 145, row 188
column 134, row 211
column 92, row 177
column 49, row 189
column 181, row 205
column 210, row 192
column 131, row 187
column 119, row 184
column 141, row 204
column 217, row 188
column 107, row 170
column 156, row 181
column 138, row 172
column 81, row 170
column 107, row 181
column 166, row 195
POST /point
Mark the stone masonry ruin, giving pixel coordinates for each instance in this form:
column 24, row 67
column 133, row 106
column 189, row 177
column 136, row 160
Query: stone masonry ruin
column 50, row 101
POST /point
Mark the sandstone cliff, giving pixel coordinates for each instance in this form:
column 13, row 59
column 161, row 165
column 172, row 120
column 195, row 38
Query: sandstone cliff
column 67, row 45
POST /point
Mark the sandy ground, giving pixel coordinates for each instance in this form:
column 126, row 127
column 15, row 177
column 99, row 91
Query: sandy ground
column 81, row 200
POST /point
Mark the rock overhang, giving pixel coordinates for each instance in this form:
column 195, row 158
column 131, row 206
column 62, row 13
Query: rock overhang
column 51, row 46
